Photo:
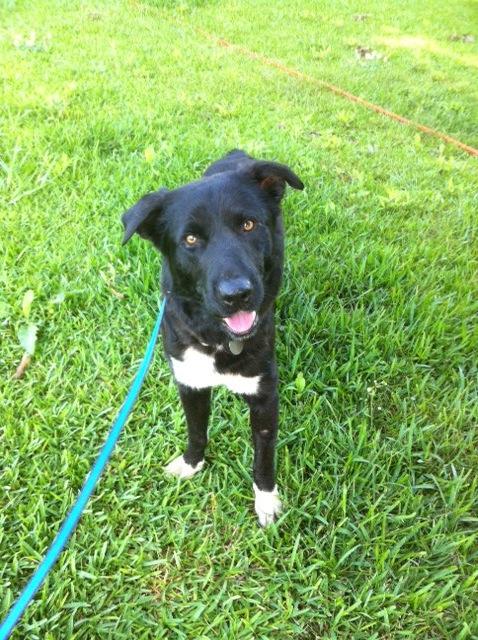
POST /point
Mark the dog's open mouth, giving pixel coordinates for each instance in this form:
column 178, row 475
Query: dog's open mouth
column 241, row 323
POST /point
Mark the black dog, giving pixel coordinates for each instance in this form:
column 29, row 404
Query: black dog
column 223, row 244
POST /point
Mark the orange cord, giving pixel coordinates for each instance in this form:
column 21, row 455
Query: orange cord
column 341, row 92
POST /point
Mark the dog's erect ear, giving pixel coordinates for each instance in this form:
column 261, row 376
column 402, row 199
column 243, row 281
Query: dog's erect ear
column 272, row 176
column 141, row 218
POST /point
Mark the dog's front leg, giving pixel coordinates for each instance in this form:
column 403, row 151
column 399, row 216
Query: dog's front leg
column 197, row 406
column 264, row 413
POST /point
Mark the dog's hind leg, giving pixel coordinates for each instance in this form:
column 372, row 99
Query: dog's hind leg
column 197, row 406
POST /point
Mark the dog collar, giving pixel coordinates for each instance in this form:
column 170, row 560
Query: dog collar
column 236, row 347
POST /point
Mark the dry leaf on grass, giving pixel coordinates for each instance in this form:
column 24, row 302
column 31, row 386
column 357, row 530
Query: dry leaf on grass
column 465, row 37
column 23, row 366
column 117, row 294
column 365, row 53
column 361, row 17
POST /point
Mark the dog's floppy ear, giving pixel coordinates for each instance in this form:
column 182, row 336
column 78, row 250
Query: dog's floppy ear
column 272, row 176
column 141, row 218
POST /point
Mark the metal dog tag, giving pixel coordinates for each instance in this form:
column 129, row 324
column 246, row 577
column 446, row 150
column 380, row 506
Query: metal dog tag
column 236, row 347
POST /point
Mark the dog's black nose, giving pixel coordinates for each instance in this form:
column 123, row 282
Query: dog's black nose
column 234, row 290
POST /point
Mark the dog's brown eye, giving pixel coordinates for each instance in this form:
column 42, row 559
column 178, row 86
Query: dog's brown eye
column 191, row 239
column 248, row 225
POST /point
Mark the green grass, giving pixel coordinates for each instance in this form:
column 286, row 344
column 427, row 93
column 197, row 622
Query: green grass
column 377, row 453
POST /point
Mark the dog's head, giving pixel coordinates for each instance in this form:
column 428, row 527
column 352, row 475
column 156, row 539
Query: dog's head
column 222, row 239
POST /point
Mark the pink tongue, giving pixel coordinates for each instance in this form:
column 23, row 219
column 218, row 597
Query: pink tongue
column 241, row 321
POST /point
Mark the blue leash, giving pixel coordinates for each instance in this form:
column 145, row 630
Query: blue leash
column 74, row 515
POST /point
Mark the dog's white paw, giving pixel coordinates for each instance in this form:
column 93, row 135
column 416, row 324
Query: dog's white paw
column 181, row 469
column 267, row 505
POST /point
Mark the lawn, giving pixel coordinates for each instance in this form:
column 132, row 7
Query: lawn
column 377, row 339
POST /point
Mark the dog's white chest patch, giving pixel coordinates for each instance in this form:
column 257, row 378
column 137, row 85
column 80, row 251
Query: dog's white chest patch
column 197, row 370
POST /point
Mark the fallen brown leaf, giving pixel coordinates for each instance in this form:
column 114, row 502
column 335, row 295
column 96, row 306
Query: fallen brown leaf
column 361, row 17
column 465, row 37
column 117, row 294
column 23, row 366
column 364, row 53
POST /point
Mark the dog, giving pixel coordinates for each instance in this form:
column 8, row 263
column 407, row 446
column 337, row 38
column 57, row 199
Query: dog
column 222, row 242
